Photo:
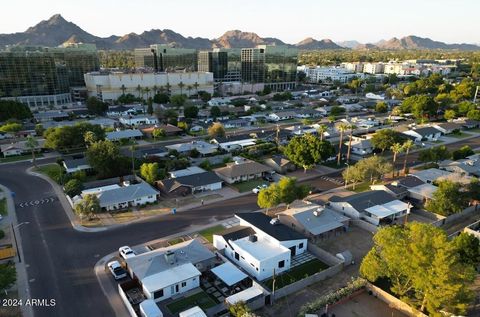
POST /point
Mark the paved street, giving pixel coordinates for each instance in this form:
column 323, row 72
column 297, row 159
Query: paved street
column 60, row 260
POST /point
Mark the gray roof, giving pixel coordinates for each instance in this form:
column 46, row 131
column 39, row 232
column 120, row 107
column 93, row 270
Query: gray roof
column 427, row 131
column 123, row 134
column 277, row 231
column 395, row 189
column 449, row 125
column 74, row 163
column 246, row 168
column 410, row 181
column 193, row 180
column 326, row 220
column 235, row 233
column 362, row 144
column 362, row 201
column 125, row 194
column 153, row 262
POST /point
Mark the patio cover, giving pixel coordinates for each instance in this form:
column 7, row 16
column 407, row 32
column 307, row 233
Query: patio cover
column 229, row 273
column 244, row 295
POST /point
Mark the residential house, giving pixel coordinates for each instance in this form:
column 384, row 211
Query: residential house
column 360, row 146
column 20, row 148
column 170, row 130
column 468, row 123
column 430, row 175
column 138, row 121
column 466, row 166
column 117, row 111
column 124, row 135
column 160, row 151
column 233, row 142
column 280, row 164
column 376, row 207
column 417, row 190
column 190, row 184
column 242, row 170
column 202, row 147
column 186, row 172
column 314, row 221
column 262, row 246
column 235, row 123
column 116, row 197
column 308, row 113
column 425, row 133
column 165, row 272
column 393, row 189
column 448, row 127
column 50, row 116
column 282, row 115
column 73, row 165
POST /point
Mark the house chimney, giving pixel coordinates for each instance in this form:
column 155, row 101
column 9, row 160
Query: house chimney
column 252, row 238
column 170, row 257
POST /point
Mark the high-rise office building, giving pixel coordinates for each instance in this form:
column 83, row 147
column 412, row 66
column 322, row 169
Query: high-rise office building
column 253, row 65
column 215, row 62
column 164, row 58
column 275, row 66
column 41, row 77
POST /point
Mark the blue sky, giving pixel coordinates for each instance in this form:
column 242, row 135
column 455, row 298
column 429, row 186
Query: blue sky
column 364, row 20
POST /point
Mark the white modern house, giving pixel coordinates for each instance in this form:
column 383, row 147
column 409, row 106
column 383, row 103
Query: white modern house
column 376, row 207
column 166, row 272
column 262, row 246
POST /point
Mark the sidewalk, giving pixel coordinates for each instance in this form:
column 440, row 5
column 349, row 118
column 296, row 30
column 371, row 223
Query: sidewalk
column 22, row 277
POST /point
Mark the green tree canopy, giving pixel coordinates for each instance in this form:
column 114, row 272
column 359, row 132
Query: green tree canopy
column 11, row 127
column 71, row 137
column 73, row 187
column 468, row 247
column 190, row 111
column 216, row 130
column 8, row 275
column 285, row 191
column 178, row 100
column 215, row 111
column 96, row 106
column 307, row 151
column 10, row 109
column 105, row 158
column 434, row 154
column 381, row 107
column 448, row 199
column 88, row 206
column 161, row 98
column 385, row 138
column 420, row 106
column 149, row 172
column 423, row 267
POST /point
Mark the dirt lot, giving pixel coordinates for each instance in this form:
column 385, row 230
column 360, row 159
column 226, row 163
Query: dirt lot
column 365, row 305
column 358, row 241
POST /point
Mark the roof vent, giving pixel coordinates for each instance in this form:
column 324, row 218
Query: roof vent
column 317, row 212
column 274, row 221
column 252, row 238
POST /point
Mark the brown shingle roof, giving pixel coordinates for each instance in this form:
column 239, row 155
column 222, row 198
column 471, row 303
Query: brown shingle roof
column 246, row 168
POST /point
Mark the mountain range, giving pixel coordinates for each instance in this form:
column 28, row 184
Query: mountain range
column 57, row 31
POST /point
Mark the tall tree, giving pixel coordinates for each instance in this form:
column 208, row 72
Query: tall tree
column 385, row 138
column 407, row 146
column 449, row 198
column 350, row 137
column 104, row 156
column 32, row 145
column 216, row 130
column 88, row 206
column 342, row 127
column 396, row 148
column 149, row 172
column 181, row 85
column 321, row 131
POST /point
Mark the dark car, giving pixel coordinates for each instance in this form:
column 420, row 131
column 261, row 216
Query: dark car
column 268, row 178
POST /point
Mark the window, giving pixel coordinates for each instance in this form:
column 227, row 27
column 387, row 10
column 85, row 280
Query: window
column 281, row 264
column 237, row 257
column 158, row 294
column 184, row 284
column 300, row 246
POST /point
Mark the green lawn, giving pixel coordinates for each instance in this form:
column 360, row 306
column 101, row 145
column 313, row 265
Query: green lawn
column 297, row 273
column 460, row 135
column 54, row 171
column 359, row 188
column 249, row 185
column 175, row 241
column 200, row 299
column 19, row 158
column 209, row 232
column 3, row 207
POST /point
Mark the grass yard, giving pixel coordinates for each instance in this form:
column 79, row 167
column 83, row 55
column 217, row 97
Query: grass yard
column 200, row 299
column 459, row 135
column 249, row 185
column 175, row 241
column 209, row 232
column 19, row 158
column 123, row 216
column 54, row 171
column 297, row 273
column 3, row 207
column 360, row 188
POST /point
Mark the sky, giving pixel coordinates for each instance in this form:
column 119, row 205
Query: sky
column 451, row 21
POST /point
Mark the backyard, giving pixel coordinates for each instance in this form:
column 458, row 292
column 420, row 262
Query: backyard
column 200, row 299
column 297, row 273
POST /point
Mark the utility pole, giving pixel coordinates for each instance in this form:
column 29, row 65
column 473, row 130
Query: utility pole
column 277, row 138
column 476, row 95
column 273, row 288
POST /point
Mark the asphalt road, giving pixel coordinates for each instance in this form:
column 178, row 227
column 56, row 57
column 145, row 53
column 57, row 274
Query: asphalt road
column 60, row 260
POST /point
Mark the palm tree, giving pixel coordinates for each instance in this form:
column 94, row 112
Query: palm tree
column 161, row 89
column 395, row 148
column 168, row 87
column 196, row 85
column 189, row 89
column 32, row 144
column 321, row 130
column 351, row 127
column 342, row 127
column 139, row 89
column 147, row 91
column 89, row 137
column 181, row 85
column 132, row 151
column 155, row 89
column 123, row 88
column 407, row 145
